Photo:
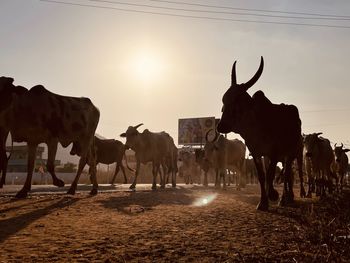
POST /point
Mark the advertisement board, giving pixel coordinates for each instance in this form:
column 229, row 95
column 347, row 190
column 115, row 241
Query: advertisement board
column 192, row 131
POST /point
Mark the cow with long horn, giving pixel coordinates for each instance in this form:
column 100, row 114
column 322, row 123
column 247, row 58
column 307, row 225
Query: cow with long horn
column 225, row 155
column 158, row 148
column 268, row 129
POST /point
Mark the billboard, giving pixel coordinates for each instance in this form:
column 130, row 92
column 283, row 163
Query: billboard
column 192, row 131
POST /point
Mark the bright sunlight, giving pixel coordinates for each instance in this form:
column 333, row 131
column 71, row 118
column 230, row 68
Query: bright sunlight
column 146, row 66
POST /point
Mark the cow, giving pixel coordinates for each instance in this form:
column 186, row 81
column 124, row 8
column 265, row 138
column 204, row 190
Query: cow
column 157, row 148
column 320, row 153
column 3, row 156
column 171, row 164
column 223, row 155
column 39, row 116
column 189, row 168
column 204, row 164
column 341, row 163
column 110, row 151
column 268, row 129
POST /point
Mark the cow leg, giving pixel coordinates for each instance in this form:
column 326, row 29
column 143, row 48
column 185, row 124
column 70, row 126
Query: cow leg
column 115, row 173
column 264, row 201
column 165, row 174
column 217, row 178
column 205, row 183
column 173, row 177
column 287, row 196
column 3, row 166
column 223, row 174
column 301, row 174
column 311, row 185
column 133, row 185
column 318, row 183
column 50, row 165
column 124, row 174
column 341, row 181
column 82, row 163
column 271, row 191
column 28, row 183
column 155, row 170
column 93, row 179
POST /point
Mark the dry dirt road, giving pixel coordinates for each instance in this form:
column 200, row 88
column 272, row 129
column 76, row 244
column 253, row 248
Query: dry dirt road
column 187, row 224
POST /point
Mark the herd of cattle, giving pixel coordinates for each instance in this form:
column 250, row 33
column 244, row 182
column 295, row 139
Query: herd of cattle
column 271, row 132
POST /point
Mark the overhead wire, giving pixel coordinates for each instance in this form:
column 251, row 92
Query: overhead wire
column 248, row 9
column 195, row 17
column 221, row 12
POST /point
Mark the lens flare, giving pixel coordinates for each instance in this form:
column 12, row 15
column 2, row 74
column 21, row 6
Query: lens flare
column 204, row 200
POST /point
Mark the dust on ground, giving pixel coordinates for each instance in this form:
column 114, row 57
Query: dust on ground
column 166, row 226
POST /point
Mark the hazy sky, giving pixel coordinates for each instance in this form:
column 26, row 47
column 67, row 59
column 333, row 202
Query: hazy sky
column 185, row 63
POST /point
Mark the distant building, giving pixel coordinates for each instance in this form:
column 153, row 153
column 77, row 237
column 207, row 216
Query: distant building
column 19, row 159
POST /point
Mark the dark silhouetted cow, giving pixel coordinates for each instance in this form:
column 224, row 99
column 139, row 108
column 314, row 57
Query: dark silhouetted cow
column 341, row 163
column 268, row 129
column 320, row 153
column 38, row 116
column 110, row 151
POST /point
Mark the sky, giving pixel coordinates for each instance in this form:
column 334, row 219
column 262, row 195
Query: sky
column 154, row 69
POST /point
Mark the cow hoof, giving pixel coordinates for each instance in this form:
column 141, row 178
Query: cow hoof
column 22, row 194
column 154, row 188
column 132, row 186
column 58, row 183
column 71, row 191
column 93, row 192
column 174, row 185
column 263, row 206
column 286, row 200
column 273, row 195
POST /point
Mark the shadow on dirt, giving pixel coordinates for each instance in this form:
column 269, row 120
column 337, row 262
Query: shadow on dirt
column 12, row 225
column 147, row 200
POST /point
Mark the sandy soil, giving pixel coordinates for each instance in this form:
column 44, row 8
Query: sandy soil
column 161, row 226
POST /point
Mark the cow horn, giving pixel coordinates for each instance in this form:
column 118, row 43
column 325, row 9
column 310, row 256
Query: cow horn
column 138, row 125
column 341, row 145
column 233, row 75
column 318, row 133
column 335, row 145
column 257, row 75
column 216, row 136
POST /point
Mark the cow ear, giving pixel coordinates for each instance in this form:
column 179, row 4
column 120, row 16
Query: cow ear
column 123, row 135
column 346, row 150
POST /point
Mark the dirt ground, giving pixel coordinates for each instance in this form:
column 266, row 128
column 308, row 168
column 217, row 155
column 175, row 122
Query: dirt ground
column 173, row 225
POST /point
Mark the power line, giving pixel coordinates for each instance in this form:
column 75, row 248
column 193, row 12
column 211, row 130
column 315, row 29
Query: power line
column 196, row 17
column 247, row 9
column 324, row 110
column 219, row 12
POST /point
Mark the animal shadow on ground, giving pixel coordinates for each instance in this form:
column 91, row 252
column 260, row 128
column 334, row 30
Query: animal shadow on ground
column 85, row 187
column 14, row 200
column 12, row 225
column 147, row 200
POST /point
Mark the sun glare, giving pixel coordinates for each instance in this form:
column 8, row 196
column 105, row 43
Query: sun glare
column 147, row 67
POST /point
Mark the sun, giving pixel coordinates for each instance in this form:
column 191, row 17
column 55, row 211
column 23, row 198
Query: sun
column 147, row 66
